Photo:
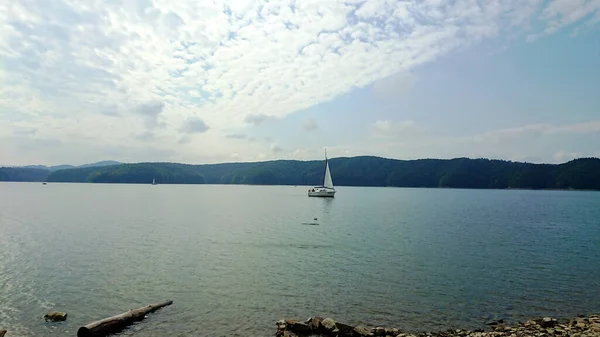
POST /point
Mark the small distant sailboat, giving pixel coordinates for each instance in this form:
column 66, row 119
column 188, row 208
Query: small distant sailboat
column 153, row 181
column 326, row 190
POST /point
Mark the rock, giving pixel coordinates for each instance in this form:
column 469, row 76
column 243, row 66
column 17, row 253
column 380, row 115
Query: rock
column 540, row 327
column 3, row 332
column 361, row 331
column 314, row 323
column 281, row 325
column 499, row 327
column 344, row 328
column 328, row 324
column 529, row 324
column 56, row 316
column 300, row 328
column 493, row 323
column 547, row 322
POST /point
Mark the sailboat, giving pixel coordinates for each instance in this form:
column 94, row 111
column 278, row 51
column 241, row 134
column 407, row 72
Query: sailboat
column 153, row 181
column 326, row 190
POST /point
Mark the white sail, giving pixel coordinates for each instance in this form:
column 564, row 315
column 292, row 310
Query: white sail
column 327, row 182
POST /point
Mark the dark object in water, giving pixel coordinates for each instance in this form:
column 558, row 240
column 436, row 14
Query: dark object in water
column 119, row 322
column 55, row 316
column 43, row 183
column 311, row 223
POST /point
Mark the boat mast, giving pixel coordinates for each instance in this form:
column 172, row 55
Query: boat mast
column 325, row 169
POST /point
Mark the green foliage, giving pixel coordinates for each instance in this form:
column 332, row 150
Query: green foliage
column 76, row 175
column 23, row 174
column 579, row 174
column 356, row 171
column 142, row 173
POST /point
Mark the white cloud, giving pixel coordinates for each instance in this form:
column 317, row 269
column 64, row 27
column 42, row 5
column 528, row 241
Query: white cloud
column 310, row 125
column 151, row 109
column 562, row 157
column 566, row 12
column 387, row 126
column 184, row 140
column 236, row 136
column 302, row 154
column 275, row 148
column 146, row 136
column 72, row 69
column 532, row 143
column 563, row 13
column 537, row 129
column 258, row 119
column 402, row 130
column 194, row 125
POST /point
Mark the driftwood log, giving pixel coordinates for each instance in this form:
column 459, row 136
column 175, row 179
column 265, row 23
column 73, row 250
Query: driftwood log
column 119, row 322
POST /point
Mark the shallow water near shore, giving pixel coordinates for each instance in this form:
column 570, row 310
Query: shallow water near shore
column 235, row 259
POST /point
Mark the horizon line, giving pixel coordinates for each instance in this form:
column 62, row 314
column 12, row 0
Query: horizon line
column 296, row 160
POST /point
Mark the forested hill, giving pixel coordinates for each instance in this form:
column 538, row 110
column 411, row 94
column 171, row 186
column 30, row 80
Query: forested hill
column 356, row 171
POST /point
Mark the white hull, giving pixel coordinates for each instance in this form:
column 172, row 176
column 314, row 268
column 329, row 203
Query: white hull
column 326, row 193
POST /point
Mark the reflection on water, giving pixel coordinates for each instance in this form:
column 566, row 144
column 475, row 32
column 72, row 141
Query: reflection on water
column 327, row 205
column 236, row 258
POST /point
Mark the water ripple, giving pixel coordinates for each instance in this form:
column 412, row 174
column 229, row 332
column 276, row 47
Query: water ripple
column 235, row 258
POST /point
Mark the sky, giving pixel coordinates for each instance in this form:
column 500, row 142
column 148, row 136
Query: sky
column 221, row 81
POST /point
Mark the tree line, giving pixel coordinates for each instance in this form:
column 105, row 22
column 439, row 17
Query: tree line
column 581, row 173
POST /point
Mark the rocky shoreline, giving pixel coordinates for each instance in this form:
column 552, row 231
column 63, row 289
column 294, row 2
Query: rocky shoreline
column 581, row 326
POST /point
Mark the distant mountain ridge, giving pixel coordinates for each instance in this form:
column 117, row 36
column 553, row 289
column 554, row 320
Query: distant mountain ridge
column 65, row 167
column 579, row 174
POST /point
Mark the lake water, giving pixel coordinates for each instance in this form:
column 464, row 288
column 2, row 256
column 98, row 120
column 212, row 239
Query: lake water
column 235, row 259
